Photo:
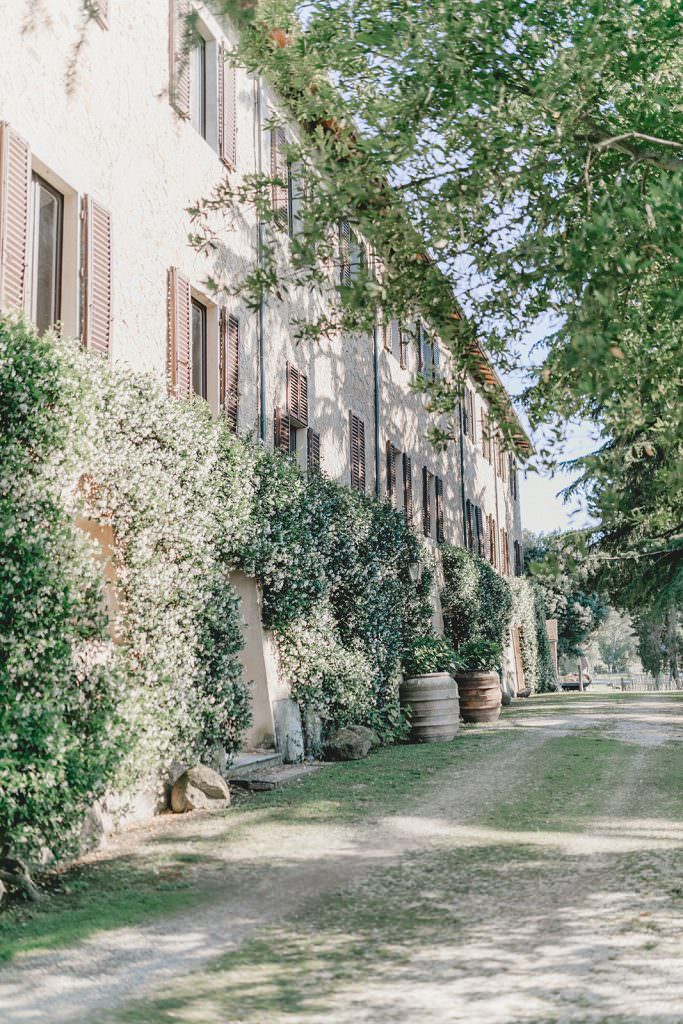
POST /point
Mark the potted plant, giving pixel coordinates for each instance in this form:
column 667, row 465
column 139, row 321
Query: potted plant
column 428, row 691
column 478, row 681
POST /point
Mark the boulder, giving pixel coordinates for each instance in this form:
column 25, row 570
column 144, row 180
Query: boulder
column 199, row 788
column 348, row 744
column 370, row 734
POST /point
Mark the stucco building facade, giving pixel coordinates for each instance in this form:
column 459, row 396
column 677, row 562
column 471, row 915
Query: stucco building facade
column 97, row 173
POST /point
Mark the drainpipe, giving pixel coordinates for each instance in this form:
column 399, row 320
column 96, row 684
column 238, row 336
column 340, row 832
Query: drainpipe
column 375, row 370
column 462, row 471
column 496, row 539
column 260, row 246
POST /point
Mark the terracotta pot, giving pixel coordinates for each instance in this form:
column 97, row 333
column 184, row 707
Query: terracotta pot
column 480, row 696
column 432, row 700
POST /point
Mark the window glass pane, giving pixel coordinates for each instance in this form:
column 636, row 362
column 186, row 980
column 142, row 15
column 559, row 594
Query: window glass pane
column 198, row 87
column 292, row 440
column 198, row 349
column 47, row 244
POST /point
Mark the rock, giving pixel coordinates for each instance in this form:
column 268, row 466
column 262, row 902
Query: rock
column 363, row 730
column 313, row 733
column 507, row 699
column 348, row 744
column 199, row 788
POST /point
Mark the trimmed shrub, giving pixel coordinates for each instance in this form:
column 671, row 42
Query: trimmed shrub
column 476, row 601
column 528, row 613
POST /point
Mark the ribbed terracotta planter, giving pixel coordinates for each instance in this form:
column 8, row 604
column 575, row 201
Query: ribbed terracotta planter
column 480, row 696
column 433, row 704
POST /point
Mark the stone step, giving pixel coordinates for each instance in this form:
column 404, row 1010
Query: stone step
column 248, row 761
column 275, row 777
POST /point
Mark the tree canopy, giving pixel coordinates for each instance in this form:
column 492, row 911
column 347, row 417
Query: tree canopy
column 518, row 167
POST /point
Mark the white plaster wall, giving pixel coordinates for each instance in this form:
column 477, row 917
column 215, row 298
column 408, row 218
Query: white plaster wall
column 114, row 135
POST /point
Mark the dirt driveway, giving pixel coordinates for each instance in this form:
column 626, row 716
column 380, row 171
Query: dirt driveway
column 530, row 872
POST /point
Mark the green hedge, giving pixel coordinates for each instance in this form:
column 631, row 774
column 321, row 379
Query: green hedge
column 528, row 613
column 186, row 503
column 476, row 601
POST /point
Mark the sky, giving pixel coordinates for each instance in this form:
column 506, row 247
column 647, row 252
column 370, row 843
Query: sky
column 543, row 508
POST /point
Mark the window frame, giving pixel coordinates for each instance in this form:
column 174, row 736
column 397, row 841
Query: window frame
column 38, row 183
column 199, row 44
column 196, row 305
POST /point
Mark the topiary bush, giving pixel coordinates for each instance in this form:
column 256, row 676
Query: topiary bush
column 528, row 614
column 476, row 601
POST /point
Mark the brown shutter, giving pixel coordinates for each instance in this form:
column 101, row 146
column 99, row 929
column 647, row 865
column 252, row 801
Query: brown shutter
column 426, row 503
column 438, row 488
column 15, row 191
column 483, row 433
column 493, row 534
column 344, row 252
column 227, row 111
column 481, row 543
column 469, row 525
column 391, row 474
column 280, row 175
column 313, row 459
column 408, row 489
column 357, row 452
column 403, row 343
column 473, row 418
column 179, row 335
column 96, row 273
column 229, row 368
column 179, row 57
column 282, row 431
column 297, row 394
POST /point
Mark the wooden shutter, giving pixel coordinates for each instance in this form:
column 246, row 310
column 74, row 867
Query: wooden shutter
column 473, row 418
column 438, row 490
column 357, row 452
column 493, row 535
column 403, row 347
column 229, row 367
column 479, row 520
column 484, row 432
column 179, row 57
column 282, row 431
column 391, row 474
column 469, row 525
column 297, row 395
column 15, row 191
column 426, row 503
column 280, row 174
column 179, row 335
column 313, row 451
column 465, row 414
column 227, row 111
column 408, row 489
column 344, row 252
column 96, row 274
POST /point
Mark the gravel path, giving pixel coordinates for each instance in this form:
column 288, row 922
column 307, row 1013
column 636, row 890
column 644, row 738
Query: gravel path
column 545, row 930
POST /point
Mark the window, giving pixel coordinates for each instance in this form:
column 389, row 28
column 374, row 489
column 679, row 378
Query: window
column 491, row 526
column 392, row 337
column 518, row 558
column 312, row 451
column 357, row 452
column 393, row 454
column 198, row 86
column 438, row 490
column 513, row 477
column 297, row 395
column 428, row 354
column 427, row 484
column 469, row 524
column 199, row 349
column 481, row 536
column 404, row 342
column 46, row 255
column 281, row 187
column 469, row 422
column 408, row 489
column 485, row 436
column 352, row 254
